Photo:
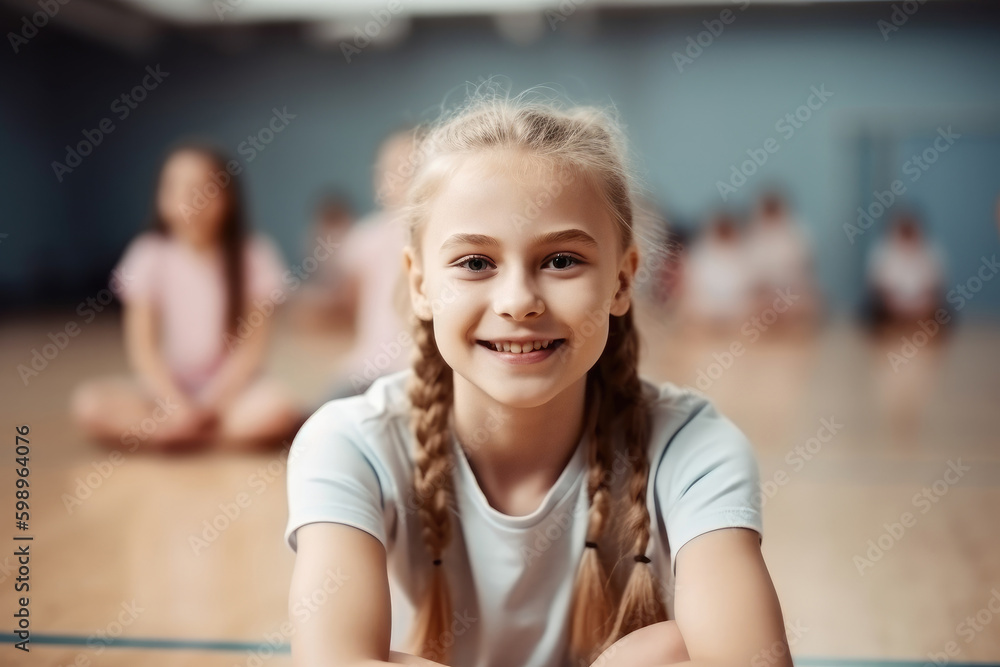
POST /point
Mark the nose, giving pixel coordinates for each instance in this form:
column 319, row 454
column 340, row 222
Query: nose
column 517, row 296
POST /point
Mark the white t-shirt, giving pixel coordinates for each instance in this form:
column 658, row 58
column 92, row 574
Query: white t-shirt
column 779, row 254
column 719, row 279
column 511, row 577
column 910, row 274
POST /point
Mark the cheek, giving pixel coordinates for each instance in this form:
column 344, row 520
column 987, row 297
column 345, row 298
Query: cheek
column 587, row 314
column 450, row 299
column 213, row 211
column 579, row 303
column 168, row 205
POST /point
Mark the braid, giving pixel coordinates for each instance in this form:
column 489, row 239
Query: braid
column 593, row 604
column 641, row 603
column 430, row 393
column 623, row 404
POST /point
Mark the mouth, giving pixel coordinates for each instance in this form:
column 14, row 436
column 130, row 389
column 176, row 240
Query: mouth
column 521, row 347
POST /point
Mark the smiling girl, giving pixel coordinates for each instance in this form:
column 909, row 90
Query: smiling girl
column 521, row 496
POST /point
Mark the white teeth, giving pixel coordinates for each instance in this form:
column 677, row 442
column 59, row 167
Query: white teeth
column 520, row 348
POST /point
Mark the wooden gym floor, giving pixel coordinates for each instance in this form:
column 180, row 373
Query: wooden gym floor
column 117, row 578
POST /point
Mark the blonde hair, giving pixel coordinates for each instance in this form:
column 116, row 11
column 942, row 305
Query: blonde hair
column 590, row 142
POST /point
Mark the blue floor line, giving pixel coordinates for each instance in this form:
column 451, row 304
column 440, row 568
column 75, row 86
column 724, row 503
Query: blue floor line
column 139, row 642
column 266, row 649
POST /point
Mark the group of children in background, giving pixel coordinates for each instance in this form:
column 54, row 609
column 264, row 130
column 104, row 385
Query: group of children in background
column 190, row 282
column 725, row 276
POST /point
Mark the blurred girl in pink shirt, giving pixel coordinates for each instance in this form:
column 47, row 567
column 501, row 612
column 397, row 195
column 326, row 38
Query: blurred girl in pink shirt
column 199, row 294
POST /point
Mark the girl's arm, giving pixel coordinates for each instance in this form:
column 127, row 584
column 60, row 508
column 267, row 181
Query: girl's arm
column 339, row 601
column 245, row 356
column 726, row 607
column 144, row 353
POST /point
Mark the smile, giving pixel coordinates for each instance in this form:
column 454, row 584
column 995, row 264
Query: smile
column 522, row 347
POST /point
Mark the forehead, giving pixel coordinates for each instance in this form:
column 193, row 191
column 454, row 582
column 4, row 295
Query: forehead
column 186, row 161
column 508, row 197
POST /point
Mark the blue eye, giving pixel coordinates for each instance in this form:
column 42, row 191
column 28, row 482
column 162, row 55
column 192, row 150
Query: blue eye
column 573, row 261
column 481, row 263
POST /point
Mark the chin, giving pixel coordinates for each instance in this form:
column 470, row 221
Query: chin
column 520, row 393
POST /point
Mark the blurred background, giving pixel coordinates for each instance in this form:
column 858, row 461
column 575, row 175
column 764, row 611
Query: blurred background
column 819, row 187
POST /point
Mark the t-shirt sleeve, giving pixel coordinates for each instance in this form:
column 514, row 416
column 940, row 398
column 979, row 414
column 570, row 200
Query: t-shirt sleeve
column 134, row 277
column 330, row 478
column 264, row 269
column 708, row 479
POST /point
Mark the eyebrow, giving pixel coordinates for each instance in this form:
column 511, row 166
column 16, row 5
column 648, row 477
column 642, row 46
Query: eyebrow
column 562, row 236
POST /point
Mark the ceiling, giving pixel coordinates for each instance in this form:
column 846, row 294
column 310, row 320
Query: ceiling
column 213, row 11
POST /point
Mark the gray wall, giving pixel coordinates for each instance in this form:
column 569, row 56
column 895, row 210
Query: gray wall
column 688, row 128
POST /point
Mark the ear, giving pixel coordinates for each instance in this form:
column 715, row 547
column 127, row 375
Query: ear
column 626, row 278
column 415, row 280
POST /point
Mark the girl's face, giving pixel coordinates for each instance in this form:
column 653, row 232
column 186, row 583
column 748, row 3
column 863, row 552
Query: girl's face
column 502, row 259
column 190, row 203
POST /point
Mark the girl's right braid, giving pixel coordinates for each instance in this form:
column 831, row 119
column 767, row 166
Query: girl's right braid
column 430, row 393
column 593, row 601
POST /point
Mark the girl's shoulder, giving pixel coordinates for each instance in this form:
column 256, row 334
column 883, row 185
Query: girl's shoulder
column 256, row 241
column 686, row 426
column 370, row 427
column 374, row 420
column 262, row 250
column 136, row 274
column 667, row 399
column 147, row 244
